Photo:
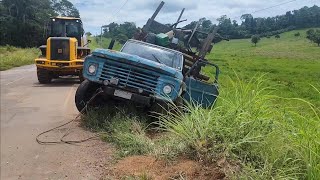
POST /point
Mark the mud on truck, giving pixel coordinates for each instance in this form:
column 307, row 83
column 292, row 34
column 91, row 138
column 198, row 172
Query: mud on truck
column 158, row 66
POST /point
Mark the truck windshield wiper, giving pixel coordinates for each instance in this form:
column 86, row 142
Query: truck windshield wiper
column 159, row 61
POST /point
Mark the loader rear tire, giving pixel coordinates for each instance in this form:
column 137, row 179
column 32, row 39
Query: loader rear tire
column 44, row 76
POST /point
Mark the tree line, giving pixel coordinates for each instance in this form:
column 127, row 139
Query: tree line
column 120, row 32
column 22, row 22
column 305, row 17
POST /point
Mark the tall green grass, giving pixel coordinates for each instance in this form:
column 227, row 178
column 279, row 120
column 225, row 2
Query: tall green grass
column 13, row 57
column 248, row 128
column 128, row 129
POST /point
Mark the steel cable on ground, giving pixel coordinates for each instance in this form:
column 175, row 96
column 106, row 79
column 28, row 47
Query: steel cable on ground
column 62, row 141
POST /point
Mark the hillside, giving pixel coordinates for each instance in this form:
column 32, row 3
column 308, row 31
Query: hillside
column 292, row 63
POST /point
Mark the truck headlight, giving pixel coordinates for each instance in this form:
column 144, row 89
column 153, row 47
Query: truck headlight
column 167, row 89
column 92, row 68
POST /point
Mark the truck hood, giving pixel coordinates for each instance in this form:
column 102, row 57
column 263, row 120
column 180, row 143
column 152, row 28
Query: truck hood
column 138, row 61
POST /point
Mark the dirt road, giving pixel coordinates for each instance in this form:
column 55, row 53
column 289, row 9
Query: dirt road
column 28, row 108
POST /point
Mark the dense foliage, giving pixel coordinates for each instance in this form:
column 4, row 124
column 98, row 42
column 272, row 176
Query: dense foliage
column 120, row 32
column 22, row 22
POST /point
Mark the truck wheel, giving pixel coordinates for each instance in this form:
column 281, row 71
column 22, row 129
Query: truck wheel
column 179, row 104
column 44, row 76
column 164, row 109
column 84, row 93
column 81, row 78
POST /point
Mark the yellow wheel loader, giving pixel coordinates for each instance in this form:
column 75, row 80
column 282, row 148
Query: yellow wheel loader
column 64, row 51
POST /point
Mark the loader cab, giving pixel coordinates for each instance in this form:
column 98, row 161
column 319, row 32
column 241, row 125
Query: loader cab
column 66, row 27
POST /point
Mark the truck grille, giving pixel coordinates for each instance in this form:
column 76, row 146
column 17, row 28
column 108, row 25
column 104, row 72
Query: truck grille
column 59, row 48
column 129, row 76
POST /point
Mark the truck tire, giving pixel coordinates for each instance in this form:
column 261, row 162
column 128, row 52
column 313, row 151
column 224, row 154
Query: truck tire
column 81, row 78
column 179, row 102
column 44, row 76
column 84, row 93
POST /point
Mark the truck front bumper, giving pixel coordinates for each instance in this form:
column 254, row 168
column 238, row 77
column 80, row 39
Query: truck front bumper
column 141, row 99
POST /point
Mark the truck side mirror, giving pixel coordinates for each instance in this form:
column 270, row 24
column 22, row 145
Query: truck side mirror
column 111, row 44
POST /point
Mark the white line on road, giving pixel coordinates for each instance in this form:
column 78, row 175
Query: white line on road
column 15, row 81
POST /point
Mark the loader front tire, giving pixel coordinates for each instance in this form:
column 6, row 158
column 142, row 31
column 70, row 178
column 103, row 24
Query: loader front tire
column 44, row 76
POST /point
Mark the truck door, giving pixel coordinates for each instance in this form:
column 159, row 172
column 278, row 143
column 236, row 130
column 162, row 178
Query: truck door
column 199, row 91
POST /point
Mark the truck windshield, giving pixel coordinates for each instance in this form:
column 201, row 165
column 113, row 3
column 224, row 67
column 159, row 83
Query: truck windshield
column 159, row 55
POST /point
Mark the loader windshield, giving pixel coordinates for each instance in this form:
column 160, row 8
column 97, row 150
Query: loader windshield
column 57, row 29
column 153, row 53
column 66, row 28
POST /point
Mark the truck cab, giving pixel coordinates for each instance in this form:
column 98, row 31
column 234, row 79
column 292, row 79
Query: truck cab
column 143, row 73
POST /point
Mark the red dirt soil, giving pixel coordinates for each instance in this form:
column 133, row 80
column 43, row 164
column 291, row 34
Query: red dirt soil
column 160, row 170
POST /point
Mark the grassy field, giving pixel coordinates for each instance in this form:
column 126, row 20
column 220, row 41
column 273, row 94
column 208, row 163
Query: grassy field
column 291, row 64
column 95, row 43
column 265, row 124
column 13, row 57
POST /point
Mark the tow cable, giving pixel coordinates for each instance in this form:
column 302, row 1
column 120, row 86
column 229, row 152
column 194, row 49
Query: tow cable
column 62, row 141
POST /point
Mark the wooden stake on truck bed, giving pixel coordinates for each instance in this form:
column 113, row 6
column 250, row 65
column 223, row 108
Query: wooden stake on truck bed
column 147, row 26
column 207, row 43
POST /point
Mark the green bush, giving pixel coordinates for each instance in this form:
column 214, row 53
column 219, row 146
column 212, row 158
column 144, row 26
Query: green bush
column 255, row 39
column 314, row 36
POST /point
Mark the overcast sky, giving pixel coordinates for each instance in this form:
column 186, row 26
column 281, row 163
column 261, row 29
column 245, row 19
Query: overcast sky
column 95, row 13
